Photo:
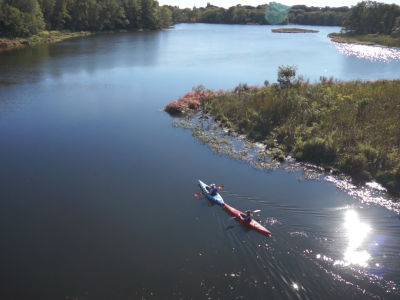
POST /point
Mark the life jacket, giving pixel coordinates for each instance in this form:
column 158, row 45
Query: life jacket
column 213, row 192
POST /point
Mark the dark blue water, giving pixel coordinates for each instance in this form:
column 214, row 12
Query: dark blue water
column 96, row 185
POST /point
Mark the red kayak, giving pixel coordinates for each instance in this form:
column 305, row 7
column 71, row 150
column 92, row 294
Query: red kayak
column 252, row 224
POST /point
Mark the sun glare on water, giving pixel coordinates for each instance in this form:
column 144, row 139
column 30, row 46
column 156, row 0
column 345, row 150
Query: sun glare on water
column 373, row 53
column 356, row 233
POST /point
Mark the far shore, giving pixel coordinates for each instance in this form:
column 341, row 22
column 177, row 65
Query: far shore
column 57, row 36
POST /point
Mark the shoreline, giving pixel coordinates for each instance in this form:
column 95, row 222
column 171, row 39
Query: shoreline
column 368, row 40
column 44, row 38
column 314, row 138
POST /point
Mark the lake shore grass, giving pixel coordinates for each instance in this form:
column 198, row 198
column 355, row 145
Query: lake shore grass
column 369, row 39
column 43, row 37
column 346, row 127
column 293, row 30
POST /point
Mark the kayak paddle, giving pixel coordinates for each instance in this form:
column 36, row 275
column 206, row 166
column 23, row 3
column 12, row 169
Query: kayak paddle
column 254, row 211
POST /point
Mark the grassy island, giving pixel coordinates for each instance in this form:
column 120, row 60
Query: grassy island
column 351, row 127
column 43, row 37
column 293, row 30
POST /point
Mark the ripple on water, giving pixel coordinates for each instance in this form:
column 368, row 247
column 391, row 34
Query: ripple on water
column 372, row 53
column 235, row 146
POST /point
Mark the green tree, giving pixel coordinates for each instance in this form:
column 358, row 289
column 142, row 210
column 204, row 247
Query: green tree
column 133, row 12
column 112, row 15
column 150, row 16
column 12, row 22
column 61, row 16
column 276, row 13
column 371, row 17
column 47, row 8
column 20, row 18
column 165, row 16
column 286, row 74
column 396, row 28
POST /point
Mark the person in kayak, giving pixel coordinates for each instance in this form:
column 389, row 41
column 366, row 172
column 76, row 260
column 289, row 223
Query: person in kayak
column 248, row 216
column 213, row 189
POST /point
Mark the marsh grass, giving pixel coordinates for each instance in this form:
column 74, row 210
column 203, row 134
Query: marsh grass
column 350, row 127
column 42, row 37
column 369, row 39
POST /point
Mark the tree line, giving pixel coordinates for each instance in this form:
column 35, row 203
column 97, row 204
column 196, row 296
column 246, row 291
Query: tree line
column 24, row 18
column 371, row 17
column 267, row 14
column 326, row 16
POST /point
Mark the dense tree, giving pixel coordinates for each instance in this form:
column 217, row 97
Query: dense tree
column 396, row 28
column 165, row 17
column 20, row 18
column 327, row 16
column 150, row 16
column 23, row 18
column 276, row 13
column 372, row 17
column 133, row 13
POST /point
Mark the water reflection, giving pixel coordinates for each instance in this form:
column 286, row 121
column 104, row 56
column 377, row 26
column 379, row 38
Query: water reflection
column 356, row 232
column 372, row 53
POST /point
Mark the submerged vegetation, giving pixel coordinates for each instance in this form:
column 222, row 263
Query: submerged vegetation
column 350, row 127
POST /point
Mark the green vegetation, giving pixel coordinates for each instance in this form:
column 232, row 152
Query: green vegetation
column 27, row 18
column 352, row 127
column 43, row 37
column 239, row 14
column 276, row 13
column 371, row 22
column 325, row 16
column 368, row 39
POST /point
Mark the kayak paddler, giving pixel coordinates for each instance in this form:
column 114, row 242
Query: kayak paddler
column 248, row 216
column 213, row 189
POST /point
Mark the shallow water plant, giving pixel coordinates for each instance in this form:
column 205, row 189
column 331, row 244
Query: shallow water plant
column 351, row 127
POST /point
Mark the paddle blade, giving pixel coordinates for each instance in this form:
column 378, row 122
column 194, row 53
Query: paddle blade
column 197, row 194
column 258, row 210
column 221, row 187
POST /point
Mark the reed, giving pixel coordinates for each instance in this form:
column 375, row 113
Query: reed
column 369, row 39
column 348, row 126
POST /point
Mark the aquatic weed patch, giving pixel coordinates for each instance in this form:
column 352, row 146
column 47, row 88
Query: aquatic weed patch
column 223, row 141
column 350, row 128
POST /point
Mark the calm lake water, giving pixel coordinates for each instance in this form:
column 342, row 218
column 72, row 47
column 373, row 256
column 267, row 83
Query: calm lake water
column 96, row 185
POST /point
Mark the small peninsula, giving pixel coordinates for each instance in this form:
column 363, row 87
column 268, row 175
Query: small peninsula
column 345, row 127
